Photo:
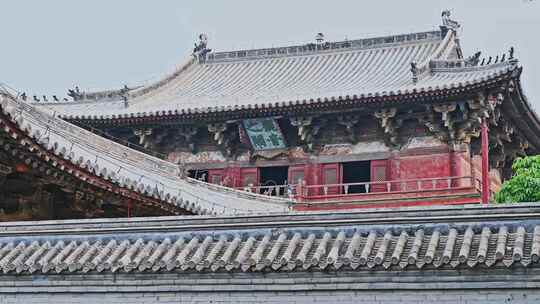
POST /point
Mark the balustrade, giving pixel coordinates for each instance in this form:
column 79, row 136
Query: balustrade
column 314, row 192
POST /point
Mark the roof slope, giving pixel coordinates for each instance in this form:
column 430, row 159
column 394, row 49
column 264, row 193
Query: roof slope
column 411, row 239
column 274, row 77
column 57, row 140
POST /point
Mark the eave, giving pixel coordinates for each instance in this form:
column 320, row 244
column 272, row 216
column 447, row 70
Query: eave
column 25, row 142
column 523, row 115
column 121, row 170
column 291, row 107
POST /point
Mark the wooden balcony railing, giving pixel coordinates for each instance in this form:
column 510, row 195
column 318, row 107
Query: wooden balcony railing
column 302, row 192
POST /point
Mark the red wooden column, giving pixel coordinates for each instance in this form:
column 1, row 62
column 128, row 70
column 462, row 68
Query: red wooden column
column 129, row 208
column 380, row 172
column 485, row 163
column 331, row 174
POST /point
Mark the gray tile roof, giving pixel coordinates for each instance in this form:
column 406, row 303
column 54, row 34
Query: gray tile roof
column 286, row 76
column 482, row 239
column 56, row 140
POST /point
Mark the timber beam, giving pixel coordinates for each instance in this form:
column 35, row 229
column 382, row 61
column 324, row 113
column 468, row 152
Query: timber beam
column 227, row 136
column 187, row 132
column 390, row 124
column 65, row 171
column 308, row 128
column 349, row 122
column 144, row 136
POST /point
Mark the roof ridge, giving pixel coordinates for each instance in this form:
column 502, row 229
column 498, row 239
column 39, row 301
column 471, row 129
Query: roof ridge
column 422, row 68
column 345, row 45
column 460, row 65
column 313, row 48
column 119, row 94
column 245, row 54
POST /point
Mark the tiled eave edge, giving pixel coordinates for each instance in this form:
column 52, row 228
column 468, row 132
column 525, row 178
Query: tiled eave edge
column 111, row 161
column 482, row 240
column 339, row 46
column 442, row 214
column 528, row 121
column 79, row 171
column 298, row 106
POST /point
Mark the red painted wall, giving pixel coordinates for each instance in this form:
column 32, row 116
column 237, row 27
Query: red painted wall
column 494, row 175
column 418, row 167
column 461, row 166
column 233, row 177
column 418, row 163
column 216, row 176
column 424, row 166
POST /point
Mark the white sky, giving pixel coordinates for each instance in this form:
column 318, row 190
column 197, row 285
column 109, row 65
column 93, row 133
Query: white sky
column 49, row 46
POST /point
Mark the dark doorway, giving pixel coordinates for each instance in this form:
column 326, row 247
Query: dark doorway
column 272, row 177
column 356, row 172
column 201, row 175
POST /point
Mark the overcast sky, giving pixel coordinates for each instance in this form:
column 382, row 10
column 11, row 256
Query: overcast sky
column 49, row 46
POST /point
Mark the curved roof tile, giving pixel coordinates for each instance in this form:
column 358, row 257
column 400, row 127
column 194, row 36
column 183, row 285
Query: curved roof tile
column 400, row 247
column 152, row 177
column 370, row 67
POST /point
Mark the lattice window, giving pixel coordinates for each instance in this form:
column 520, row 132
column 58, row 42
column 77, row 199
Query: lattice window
column 216, row 179
column 296, row 176
column 330, row 176
column 380, row 174
column 250, row 178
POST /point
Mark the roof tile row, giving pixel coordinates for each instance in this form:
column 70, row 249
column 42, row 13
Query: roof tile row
column 283, row 250
column 63, row 144
column 286, row 80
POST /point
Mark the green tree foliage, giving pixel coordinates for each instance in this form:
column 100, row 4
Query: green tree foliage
column 524, row 186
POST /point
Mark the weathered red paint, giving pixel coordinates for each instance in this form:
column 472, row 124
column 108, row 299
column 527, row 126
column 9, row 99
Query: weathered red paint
column 485, row 163
column 216, row 176
column 418, row 166
column 129, row 207
column 425, row 166
column 313, row 176
column 466, row 197
column 295, row 172
column 231, row 177
column 455, row 169
column 418, row 163
column 331, row 174
column 461, row 166
column 380, row 171
column 21, row 168
column 388, row 204
column 249, row 176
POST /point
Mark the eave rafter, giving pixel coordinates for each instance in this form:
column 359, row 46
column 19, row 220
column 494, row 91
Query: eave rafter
column 458, row 121
column 506, row 141
column 292, row 107
column 157, row 138
column 33, row 155
column 390, row 123
column 308, row 128
column 187, row 133
column 227, row 136
column 452, row 115
column 42, row 174
column 144, row 135
column 433, row 125
column 349, row 121
column 506, row 144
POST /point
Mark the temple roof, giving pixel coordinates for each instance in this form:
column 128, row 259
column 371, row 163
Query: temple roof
column 427, row 239
column 88, row 156
column 269, row 78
